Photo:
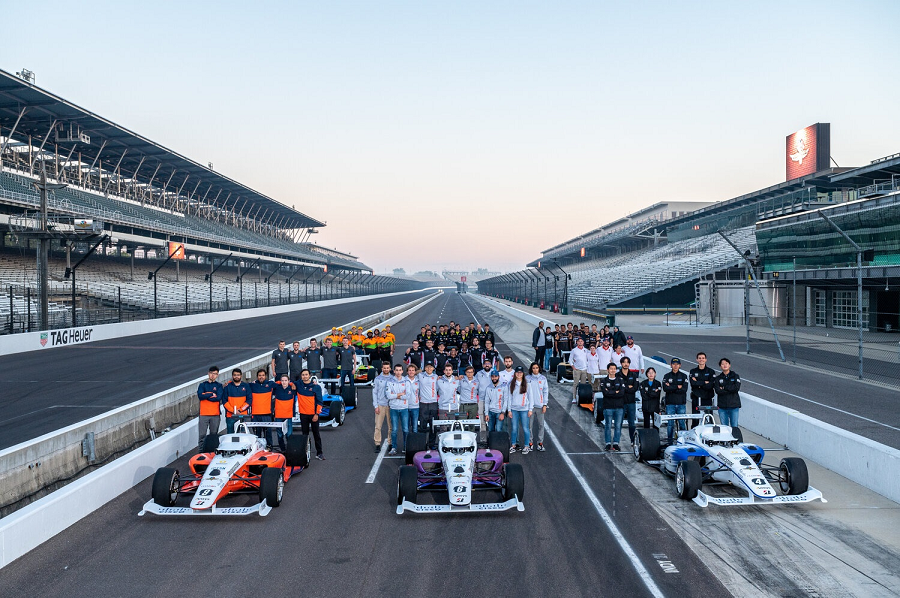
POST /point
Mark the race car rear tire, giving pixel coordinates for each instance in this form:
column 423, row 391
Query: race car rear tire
column 736, row 432
column 337, row 411
column 166, row 483
column 407, row 484
column 688, row 479
column 416, row 442
column 585, row 394
column 513, row 481
column 793, row 476
column 297, row 450
column 348, row 393
column 210, row 443
column 271, row 486
column 646, row 444
column 499, row 441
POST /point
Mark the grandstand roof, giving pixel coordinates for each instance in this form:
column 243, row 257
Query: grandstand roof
column 42, row 108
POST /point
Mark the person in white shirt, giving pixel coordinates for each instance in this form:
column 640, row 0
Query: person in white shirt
column 606, row 354
column 396, row 392
column 447, row 387
column 635, row 354
column 496, row 403
column 540, row 399
column 484, row 380
column 578, row 361
column 617, row 357
column 412, row 396
column 593, row 363
column 520, row 411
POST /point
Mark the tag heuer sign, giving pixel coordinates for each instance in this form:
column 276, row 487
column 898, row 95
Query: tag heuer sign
column 43, row 339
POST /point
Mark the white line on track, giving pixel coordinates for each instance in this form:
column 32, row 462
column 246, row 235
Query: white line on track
column 790, row 394
column 613, row 529
column 470, row 310
column 378, row 460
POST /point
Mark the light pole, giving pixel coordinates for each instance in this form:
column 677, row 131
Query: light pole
column 44, row 249
column 71, row 271
column 152, row 276
column 209, row 277
column 269, row 286
column 240, row 280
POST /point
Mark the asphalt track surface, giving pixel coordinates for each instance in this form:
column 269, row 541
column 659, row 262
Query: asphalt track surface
column 48, row 390
column 335, row 535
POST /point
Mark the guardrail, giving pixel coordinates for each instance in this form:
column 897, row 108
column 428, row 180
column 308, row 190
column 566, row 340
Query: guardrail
column 39, row 521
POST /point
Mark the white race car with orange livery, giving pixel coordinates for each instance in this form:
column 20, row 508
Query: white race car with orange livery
column 231, row 464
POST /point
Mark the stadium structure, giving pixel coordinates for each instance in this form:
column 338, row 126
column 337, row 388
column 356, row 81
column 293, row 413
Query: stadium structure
column 162, row 234
column 835, row 230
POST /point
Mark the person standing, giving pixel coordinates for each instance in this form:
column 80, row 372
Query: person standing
column 488, row 335
column 379, row 402
column 538, row 342
column 415, row 356
column 630, row 377
column 468, row 393
column 634, row 354
column 447, row 387
column 548, row 348
column 412, row 397
column 496, row 403
column 520, row 411
column 210, row 395
column 728, row 389
column 703, row 386
column 594, row 363
column 329, row 360
column 508, row 372
column 396, row 391
column 606, row 353
column 236, row 399
column 390, row 340
column 483, row 379
column 651, row 391
column 280, row 361
column 309, row 406
column 347, row 363
column 675, row 385
column 578, row 360
column 618, row 337
column 313, row 356
column 428, row 401
column 613, row 388
column 540, row 400
column 261, row 401
column 295, row 362
column 491, row 354
column 285, row 400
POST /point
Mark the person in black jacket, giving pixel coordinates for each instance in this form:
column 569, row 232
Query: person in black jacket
column 728, row 388
column 538, row 343
column 618, row 337
column 675, row 384
column 613, row 388
column 631, row 387
column 651, row 391
column 702, row 380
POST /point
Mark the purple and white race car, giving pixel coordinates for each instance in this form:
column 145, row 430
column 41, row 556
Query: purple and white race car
column 458, row 467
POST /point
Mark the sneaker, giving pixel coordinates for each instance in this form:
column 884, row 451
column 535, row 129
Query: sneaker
column 540, row 447
column 320, row 457
column 392, row 452
column 574, row 400
column 616, row 447
column 526, row 450
column 608, row 447
column 513, row 449
column 377, row 448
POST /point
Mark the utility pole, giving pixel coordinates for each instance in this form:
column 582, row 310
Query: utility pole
column 43, row 268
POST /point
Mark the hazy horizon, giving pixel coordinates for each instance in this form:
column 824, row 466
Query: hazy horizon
column 467, row 135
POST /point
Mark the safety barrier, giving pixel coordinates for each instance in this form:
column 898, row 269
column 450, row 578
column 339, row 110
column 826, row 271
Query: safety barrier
column 41, row 520
column 522, row 315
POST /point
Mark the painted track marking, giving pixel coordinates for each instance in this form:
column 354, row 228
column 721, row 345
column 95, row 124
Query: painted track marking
column 378, row 460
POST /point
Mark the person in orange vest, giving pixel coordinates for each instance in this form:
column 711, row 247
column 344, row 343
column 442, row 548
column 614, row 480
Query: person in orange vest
column 261, row 401
column 210, row 395
column 284, row 397
column 309, row 406
column 389, row 340
column 236, row 399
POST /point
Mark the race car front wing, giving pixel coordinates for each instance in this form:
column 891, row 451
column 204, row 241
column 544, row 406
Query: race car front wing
column 704, row 500
column 513, row 503
column 151, row 507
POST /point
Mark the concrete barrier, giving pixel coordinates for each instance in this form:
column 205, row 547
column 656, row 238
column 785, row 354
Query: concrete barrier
column 522, row 315
column 30, row 469
column 51, row 339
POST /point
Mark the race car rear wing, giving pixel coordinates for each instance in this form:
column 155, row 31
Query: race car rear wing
column 449, row 422
column 513, row 503
column 659, row 419
column 247, row 426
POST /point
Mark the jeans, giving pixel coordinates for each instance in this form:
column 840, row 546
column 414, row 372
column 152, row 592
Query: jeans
column 520, row 422
column 612, row 417
column 281, row 435
column 414, row 420
column 548, row 353
column 675, row 410
column 729, row 417
column 631, row 416
column 399, row 417
column 347, row 379
column 495, row 424
column 329, row 374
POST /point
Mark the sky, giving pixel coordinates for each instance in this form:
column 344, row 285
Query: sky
column 466, row 134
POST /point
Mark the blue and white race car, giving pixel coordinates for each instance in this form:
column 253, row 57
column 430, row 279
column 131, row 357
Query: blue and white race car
column 711, row 454
column 335, row 404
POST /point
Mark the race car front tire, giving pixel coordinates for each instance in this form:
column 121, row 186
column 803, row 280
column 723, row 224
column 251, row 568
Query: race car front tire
column 499, row 441
column 646, row 444
column 297, row 451
column 793, row 476
column 407, row 484
column 416, row 442
column 688, row 479
column 337, row 411
column 166, row 484
column 513, row 481
column 210, row 443
column 271, row 486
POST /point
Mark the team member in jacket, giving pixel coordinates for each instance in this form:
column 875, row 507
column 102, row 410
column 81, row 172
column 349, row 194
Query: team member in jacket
column 463, row 360
column 496, row 403
column 428, row 401
column 412, row 397
column 491, row 354
column 389, row 341
column 261, row 401
column 447, row 387
column 428, row 354
column 630, row 377
column 538, row 342
column 702, row 380
column 613, row 388
column 520, row 411
column 309, row 406
column 210, row 395
column 441, row 356
column 483, row 378
column 488, row 335
column 415, row 356
column 295, row 362
column 651, row 391
column 285, row 399
column 370, row 346
column 540, row 400
column 468, row 394
column 236, row 399
column 728, row 389
column 675, row 385
column 396, row 391
column 380, row 403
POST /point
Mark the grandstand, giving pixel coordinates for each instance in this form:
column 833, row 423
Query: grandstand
column 144, row 197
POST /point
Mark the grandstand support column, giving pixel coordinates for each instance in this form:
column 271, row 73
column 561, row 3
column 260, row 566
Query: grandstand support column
column 154, row 275
column 269, row 285
column 72, row 272
column 859, row 287
column 762, row 299
column 13, row 130
column 43, row 266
